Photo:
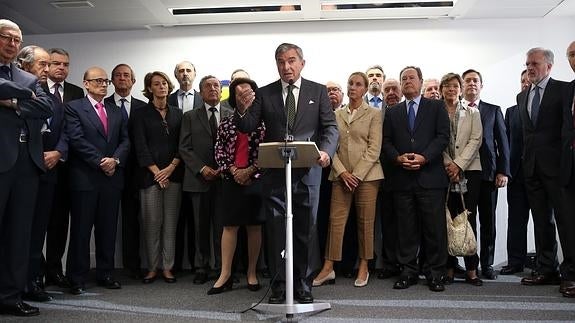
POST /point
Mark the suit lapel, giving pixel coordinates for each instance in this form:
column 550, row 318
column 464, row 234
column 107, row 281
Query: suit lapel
column 522, row 101
column 420, row 113
column 93, row 117
column 203, row 116
column 302, row 102
column 361, row 111
column 278, row 102
column 403, row 115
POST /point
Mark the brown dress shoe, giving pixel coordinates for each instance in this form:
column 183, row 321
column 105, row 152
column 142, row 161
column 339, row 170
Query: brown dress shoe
column 542, row 279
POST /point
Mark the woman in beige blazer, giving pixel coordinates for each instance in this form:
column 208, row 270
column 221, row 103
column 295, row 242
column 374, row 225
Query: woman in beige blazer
column 356, row 174
column 461, row 161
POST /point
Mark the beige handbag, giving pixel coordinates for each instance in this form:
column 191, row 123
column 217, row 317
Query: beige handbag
column 460, row 237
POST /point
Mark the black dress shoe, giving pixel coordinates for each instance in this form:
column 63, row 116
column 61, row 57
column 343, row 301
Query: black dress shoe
column 170, row 280
column 77, row 290
column 38, row 295
column 404, row 282
column 303, row 297
column 254, row 287
column 511, row 269
column 149, row 279
column 487, row 272
column 109, row 283
column 459, row 270
column 200, row 278
column 569, row 292
column 565, row 285
column 277, row 297
column 541, row 279
column 474, row 281
column 57, row 279
column 386, row 273
column 436, row 285
column 228, row 285
column 19, row 309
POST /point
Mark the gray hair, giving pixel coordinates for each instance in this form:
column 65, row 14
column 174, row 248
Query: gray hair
column 180, row 63
column 547, row 53
column 60, row 51
column 26, row 55
column 287, row 46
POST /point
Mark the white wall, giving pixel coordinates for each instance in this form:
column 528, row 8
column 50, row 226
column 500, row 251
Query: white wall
column 334, row 49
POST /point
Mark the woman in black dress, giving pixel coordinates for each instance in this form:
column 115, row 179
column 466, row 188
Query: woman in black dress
column 236, row 155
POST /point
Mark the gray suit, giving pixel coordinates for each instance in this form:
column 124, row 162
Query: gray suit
column 197, row 151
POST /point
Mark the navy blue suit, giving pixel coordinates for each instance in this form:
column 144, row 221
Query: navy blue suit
column 21, row 164
column 494, row 155
column 130, row 197
column 418, row 196
column 95, row 196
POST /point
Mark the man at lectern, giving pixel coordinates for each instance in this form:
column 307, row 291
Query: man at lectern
column 298, row 109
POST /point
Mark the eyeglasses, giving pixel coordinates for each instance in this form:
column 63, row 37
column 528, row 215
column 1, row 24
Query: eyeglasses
column 10, row 38
column 101, row 81
column 166, row 128
column 333, row 89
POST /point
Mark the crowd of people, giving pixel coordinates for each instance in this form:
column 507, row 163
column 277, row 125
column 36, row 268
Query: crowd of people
column 183, row 170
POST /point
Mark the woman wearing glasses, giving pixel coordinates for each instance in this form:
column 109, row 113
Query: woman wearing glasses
column 156, row 132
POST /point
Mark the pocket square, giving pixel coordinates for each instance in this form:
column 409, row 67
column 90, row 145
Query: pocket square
column 311, row 102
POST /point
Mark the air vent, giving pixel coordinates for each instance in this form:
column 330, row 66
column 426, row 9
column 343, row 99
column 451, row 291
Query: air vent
column 386, row 5
column 204, row 10
column 72, row 4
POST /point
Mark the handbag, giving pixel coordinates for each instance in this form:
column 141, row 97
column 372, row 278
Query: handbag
column 460, row 237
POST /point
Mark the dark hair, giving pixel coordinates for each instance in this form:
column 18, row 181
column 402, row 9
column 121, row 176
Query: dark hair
column 448, row 77
column 207, row 77
column 234, row 84
column 417, row 69
column 472, row 71
column 125, row 65
column 148, row 83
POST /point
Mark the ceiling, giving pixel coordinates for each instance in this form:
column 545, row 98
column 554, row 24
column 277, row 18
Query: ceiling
column 43, row 17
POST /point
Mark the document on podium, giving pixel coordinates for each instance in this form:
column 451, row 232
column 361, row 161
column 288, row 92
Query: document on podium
column 271, row 154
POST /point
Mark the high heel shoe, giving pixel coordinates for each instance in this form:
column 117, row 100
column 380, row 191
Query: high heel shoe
column 254, row 287
column 361, row 283
column 226, row 286
column 328, row 279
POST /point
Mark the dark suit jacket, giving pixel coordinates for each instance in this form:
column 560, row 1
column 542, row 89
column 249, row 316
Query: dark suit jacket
column 542, row 142
column 197, row 147
column 173, row 100
column 31, row 113
column 314, row 121
column 56, row 138
column 88, row 145
column 72, row 92
column 568, row 135
column 494, row 150
column 429, row 138
column 515, row 137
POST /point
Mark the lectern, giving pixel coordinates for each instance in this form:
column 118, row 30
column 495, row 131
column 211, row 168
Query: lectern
column 289, row 154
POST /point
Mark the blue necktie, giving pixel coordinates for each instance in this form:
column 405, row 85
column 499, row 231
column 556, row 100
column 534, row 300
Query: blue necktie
column 535, row 105
column 375, row 101
column 123, row 108
column 411, row 115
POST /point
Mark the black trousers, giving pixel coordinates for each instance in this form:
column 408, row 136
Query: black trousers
column 44, row 202
column 57, row 233
column 208, row 227
column 517, row 220
column 185, row 233
column 421, row 220
column 486, row 207
column 96, row 209
column 18, row 193
column 131, row 229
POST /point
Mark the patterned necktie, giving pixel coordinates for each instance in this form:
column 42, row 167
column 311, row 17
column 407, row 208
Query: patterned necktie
column 290, row 106
column 5, row 72
column 103, row 117
column 123, row 108
column 375, row 101
column 535, row 105
column 57, row 91
column 213, row 123
column 411, row 115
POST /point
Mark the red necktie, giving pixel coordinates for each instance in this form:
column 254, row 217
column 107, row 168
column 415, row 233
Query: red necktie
column 103, row 117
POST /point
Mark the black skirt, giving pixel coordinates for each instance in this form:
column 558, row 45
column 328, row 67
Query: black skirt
column 242, row 204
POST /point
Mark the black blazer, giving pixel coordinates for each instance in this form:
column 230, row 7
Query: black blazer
column 568, row 135
column 542, row 142
column 429, row 138
column 154, row 145
column 72, row 92
column 514, row 130
column 88, row 145
column 56, row 138
column 198, row 101
column 32, row 114
column 314, row 121
column 494, row 150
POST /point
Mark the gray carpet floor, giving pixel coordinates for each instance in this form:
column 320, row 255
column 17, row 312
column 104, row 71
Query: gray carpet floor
column 504, row 299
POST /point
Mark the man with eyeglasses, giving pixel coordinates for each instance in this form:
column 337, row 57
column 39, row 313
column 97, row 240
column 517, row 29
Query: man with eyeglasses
column 57, row 233
column 98, row 152
column 24, row 107
column 123, row 79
